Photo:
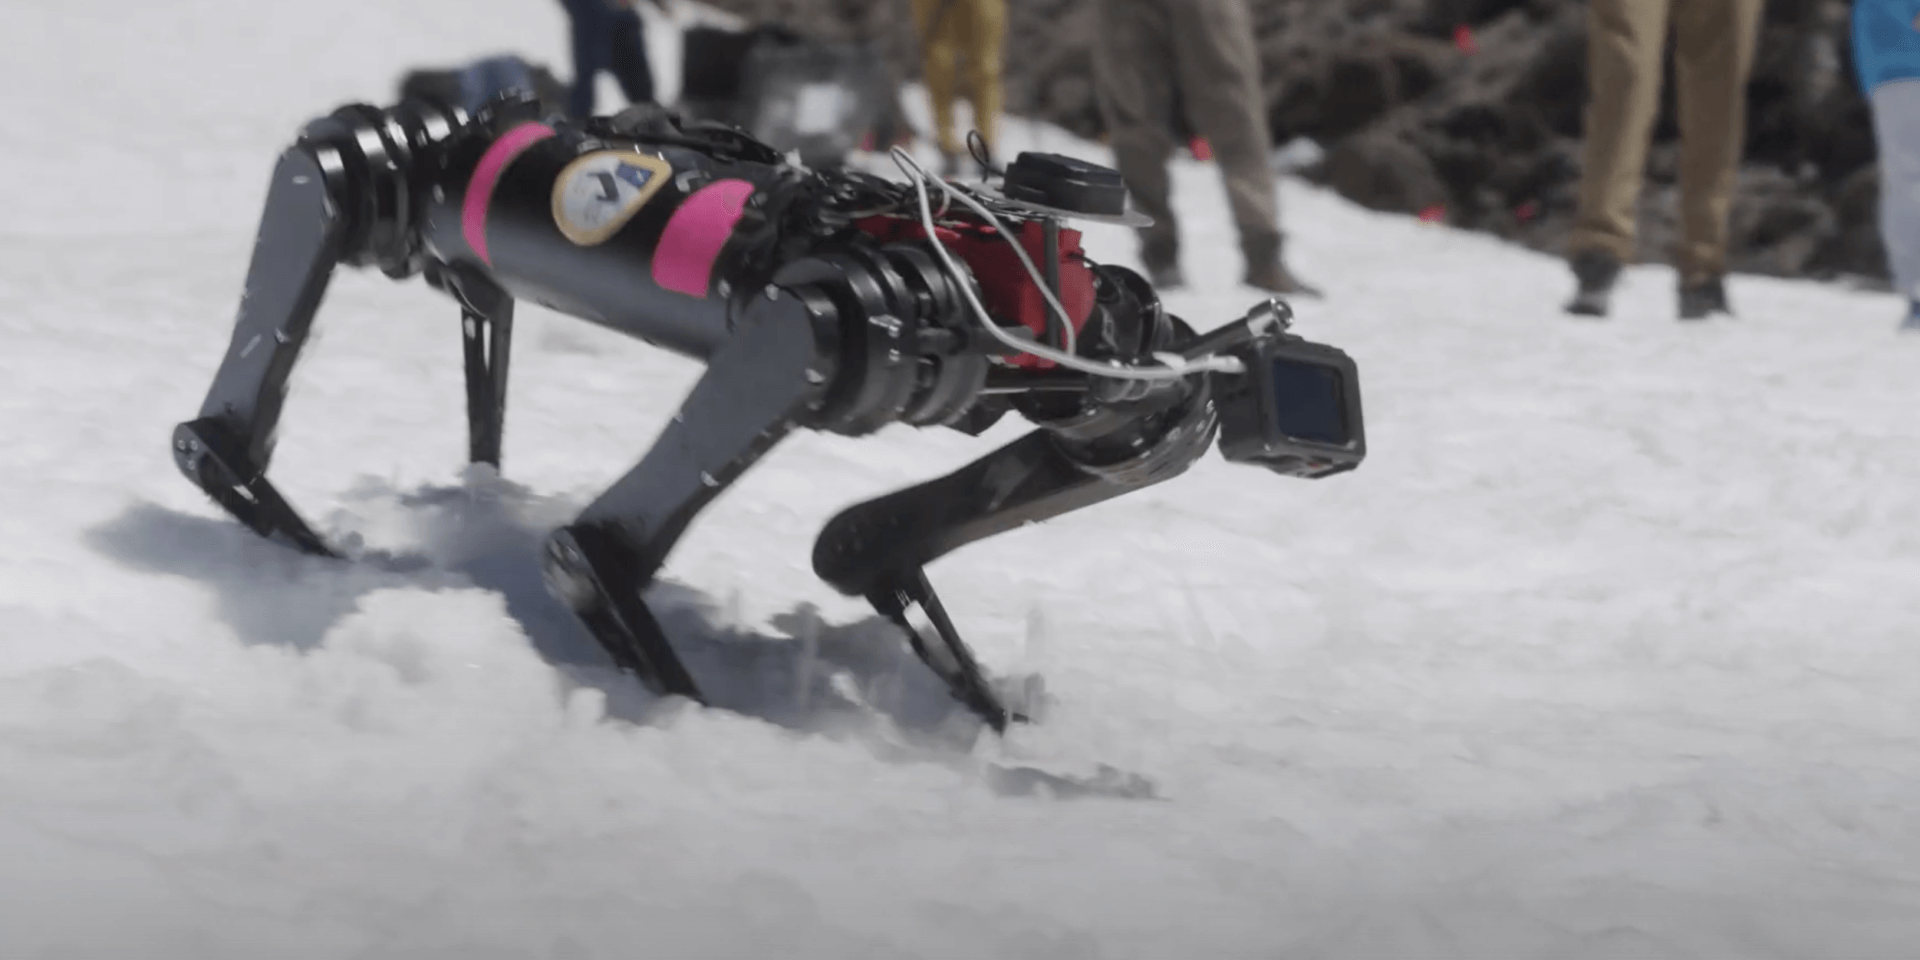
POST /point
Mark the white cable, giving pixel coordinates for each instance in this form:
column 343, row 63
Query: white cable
column 949, row 195
column 1172, row 366
column 1019, row 250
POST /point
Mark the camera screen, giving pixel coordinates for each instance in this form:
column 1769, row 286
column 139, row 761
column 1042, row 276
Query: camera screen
column 1310, row 402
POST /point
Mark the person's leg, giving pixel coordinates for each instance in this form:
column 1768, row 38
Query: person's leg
column 628, row 55
column 1896, row 128
column 475, row 87
column 1625, row 40
column 488, row 78
column 986, row 56
column 588, row 41
column 1217, row 67
column 1713, row 54
column 1134, row 93
column 934, row 21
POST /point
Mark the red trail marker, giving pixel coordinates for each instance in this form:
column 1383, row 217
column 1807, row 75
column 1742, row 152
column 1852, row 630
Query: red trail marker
column 1463, row 38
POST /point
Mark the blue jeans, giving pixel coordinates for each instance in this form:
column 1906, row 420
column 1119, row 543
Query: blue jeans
column 485, row 79
column 610, row 39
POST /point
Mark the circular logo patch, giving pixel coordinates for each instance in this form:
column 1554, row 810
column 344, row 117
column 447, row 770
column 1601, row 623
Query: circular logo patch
column 598, row 193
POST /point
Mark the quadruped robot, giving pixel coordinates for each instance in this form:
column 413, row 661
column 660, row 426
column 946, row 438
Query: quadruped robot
column 834, row 300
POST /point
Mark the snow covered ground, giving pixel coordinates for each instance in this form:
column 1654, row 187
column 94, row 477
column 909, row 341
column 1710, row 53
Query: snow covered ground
column 1609, row 650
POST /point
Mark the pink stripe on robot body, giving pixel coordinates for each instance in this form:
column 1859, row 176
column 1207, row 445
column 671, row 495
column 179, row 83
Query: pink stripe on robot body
column 473, row 209
column 696, row 233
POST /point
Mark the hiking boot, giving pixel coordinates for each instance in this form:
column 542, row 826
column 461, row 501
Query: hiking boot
column 1274, row 277
column 1595, row 271
column 1912, row 323
column 1703, row 298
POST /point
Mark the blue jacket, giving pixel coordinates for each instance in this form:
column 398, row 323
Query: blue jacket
column 1886, row 43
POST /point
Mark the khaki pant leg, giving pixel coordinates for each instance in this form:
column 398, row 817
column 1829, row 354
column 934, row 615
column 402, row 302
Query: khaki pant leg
column 940, row 57
column 1130, row 77
column 1896, row 129
column 1625, row 40
column 1218, row 68
column 986, row 46
column 1713, row 55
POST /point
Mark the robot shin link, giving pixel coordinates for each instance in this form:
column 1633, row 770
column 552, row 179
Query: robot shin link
column 829, row 300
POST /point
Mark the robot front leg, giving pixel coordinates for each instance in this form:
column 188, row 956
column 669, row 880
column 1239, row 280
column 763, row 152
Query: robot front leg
column 879, row 549
column 757, row 388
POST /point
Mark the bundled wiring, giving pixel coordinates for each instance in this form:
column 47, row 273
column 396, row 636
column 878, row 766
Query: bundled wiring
column 1171, row 366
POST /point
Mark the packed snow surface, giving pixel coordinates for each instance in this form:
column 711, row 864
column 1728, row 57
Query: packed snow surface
column 1608, row 652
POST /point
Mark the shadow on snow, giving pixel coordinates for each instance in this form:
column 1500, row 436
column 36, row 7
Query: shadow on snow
column 855, row 679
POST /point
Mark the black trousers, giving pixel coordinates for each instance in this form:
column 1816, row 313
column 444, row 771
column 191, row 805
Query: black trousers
column 610, row 39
